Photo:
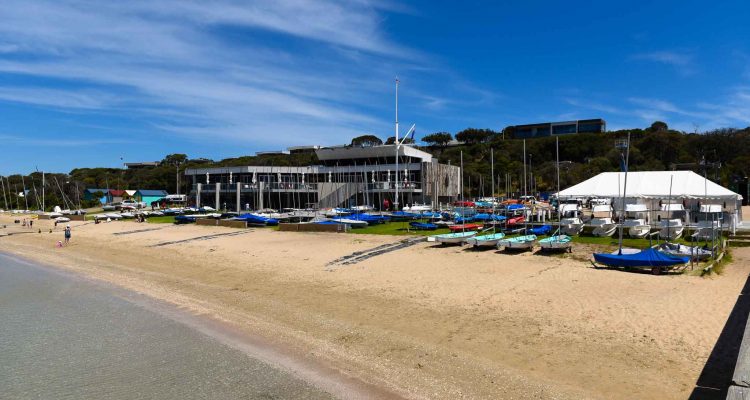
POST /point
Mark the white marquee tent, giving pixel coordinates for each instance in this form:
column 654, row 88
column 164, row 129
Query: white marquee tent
column 652, row 185
column 652, row 188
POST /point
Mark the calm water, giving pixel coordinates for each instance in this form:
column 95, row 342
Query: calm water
column 62, row 337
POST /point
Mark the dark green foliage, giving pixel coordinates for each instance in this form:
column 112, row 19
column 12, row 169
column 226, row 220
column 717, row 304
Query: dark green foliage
column 438, row 138
column 474, row 136
column 727, row 152
column 366, row 141
column 392, row 140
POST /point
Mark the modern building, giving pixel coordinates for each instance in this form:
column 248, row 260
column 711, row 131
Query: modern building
column 557, row 128
column 141, row 165
column 343, row 176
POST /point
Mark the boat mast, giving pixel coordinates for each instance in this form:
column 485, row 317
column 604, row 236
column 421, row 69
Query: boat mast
column 395, row 203
column 624, row 189
column 669, row 208
column 492, row 171
column 2, row 184
column 524, row 168
column 463, row 205
column 25, row 198
column 559, row 217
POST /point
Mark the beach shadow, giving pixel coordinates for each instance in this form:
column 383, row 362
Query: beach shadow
column 480, row 249
column 716, row 377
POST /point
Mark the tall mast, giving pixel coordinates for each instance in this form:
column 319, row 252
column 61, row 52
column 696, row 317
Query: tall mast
column 557, row 157
column 492, row 171
column 43, row 203
column 2, row 184
column 524, row 168
column 625, row 188
column 25, row 197
column 397, row 146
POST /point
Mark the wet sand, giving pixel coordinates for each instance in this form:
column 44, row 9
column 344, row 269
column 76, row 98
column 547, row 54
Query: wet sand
column 424, row 321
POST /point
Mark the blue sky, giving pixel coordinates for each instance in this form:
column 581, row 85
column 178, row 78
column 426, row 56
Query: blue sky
column 86, row 83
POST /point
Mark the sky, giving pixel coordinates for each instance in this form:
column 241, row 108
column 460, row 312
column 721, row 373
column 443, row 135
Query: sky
column 89, row 84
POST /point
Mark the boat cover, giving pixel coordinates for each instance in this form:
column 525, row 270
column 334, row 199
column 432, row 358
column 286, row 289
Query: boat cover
column 423, row 226
column 645, row 258
column 542, row 230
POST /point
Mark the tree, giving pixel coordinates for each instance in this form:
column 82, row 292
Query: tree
column 659, row 126
column 174, row 159
column 366, row 141
column 392, row 140
column 438, row 138
column 474, row 136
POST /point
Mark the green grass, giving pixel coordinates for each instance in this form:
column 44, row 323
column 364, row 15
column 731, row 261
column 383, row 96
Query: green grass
column 395, row 228
column 164, row 219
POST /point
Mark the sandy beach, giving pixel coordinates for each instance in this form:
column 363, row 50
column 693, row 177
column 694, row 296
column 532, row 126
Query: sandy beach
column 423, row 321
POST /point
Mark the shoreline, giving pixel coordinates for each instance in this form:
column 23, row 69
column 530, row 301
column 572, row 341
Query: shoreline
column 425, row 321
column 321, row 376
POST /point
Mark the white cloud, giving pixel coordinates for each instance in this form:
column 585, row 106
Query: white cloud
column 202, row 70
column 683, row 62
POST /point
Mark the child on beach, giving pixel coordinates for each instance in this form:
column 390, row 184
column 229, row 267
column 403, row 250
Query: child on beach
column 67, row 234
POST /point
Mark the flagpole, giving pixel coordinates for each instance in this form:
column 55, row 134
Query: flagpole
column 397, row 146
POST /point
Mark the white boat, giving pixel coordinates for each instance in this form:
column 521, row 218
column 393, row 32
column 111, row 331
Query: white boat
column 453, row 238
column 418, row 208
column 60, row 220
column 333, row 212
column 518, row 242
column 489, row 239
column 127, row 215
column 354, row 223
column 680, row 250
column 556, row 242
column 363, row 208
column 705, row 230
column 603, row 227
column 637, row 228
column 671, row 229
column 571, row 226
column 113, row 216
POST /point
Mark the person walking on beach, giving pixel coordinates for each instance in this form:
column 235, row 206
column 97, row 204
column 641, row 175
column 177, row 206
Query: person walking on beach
column 67, row 234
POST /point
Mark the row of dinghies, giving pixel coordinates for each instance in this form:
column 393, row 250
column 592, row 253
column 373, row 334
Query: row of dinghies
column 492, row 238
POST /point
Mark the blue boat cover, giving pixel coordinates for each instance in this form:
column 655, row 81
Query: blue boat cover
column 645, row 258
column 514, row 206
column 423, row 226
column 542, row 230
column 257, row 219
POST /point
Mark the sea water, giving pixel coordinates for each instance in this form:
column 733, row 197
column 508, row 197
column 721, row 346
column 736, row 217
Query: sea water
column 63, row 337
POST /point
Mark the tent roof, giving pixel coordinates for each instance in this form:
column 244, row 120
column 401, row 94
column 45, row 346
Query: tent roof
column 651, row 184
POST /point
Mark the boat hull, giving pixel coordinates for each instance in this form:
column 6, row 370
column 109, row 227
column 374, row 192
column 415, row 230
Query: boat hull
column 454, row 238
column 485, row 240
column 639, row 231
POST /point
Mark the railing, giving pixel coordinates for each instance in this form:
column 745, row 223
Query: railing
column 392, row 186
column 211, row 187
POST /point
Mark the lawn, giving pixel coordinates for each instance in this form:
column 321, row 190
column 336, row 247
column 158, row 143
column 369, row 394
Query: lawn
column 164, row 219
column 395, row 228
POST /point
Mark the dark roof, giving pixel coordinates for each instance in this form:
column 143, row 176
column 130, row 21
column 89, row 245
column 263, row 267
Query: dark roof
column 115, row 192
column 96, row 190
column 148, row 192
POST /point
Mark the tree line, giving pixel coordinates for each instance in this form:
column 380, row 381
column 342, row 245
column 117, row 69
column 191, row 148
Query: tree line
column 722, row 154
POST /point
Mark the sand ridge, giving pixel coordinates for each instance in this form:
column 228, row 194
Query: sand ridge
column 425, row 321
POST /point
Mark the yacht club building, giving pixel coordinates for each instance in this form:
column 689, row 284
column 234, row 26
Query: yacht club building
column 344, row 176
